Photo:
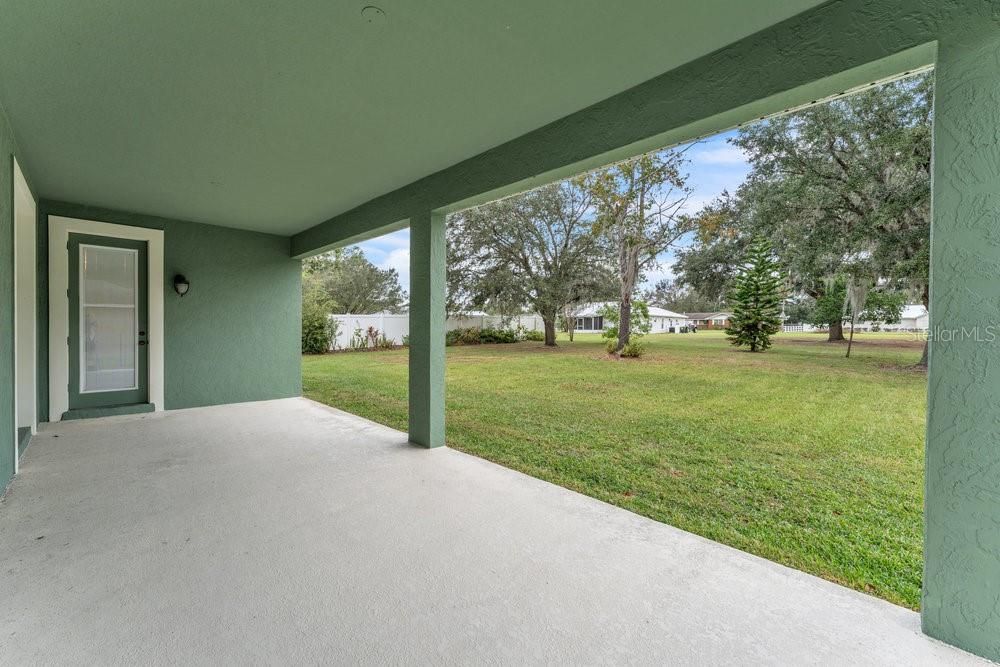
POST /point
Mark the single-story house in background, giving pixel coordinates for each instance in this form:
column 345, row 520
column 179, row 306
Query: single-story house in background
column 914, row 317
column 719, row 320
column 661, row 320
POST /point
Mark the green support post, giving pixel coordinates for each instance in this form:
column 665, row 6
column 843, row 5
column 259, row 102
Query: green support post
column 961, row 597
column 427, row 328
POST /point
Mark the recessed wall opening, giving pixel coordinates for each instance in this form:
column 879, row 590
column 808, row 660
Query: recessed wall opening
column 807, row 450
column 26, row 382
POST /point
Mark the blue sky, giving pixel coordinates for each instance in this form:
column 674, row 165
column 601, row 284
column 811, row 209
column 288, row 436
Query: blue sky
column 715, row 165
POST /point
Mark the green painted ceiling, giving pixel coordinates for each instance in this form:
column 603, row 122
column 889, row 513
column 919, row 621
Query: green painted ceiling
column 275, row 116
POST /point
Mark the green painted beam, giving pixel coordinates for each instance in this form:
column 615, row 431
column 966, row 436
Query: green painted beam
column 961, row 598
column 427, row 329
column 838, row 46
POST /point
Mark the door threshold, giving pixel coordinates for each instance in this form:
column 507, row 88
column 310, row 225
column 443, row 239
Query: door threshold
column 111, row 411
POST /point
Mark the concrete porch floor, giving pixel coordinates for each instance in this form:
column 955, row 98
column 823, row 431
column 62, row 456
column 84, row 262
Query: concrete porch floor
column 288, row 532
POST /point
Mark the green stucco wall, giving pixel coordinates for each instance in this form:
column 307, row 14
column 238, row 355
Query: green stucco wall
column 961, row 602
column 428, row 278
column 6, row 301
column 8, row 152
column 235, row 336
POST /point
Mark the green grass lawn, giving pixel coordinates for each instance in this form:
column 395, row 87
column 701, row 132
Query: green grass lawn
column 797, row 454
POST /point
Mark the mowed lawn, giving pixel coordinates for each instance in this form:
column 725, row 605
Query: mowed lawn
column 796, row 454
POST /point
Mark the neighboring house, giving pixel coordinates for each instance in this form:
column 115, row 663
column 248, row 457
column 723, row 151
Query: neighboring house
column 914, row 317
column 661, row 320
column 718, row 320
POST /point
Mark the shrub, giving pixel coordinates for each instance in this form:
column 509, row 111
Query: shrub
column 634, row 349
column 534, row 336
column 468, row 336
column 497, row 336
column 359, row 341
column 316, row 329
column 476, row 336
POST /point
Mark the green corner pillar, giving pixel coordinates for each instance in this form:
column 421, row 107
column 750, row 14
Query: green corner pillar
column 428, row 263
column 961, row 595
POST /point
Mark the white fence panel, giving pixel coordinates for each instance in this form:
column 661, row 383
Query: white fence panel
column 799, row 328
column 395, row 327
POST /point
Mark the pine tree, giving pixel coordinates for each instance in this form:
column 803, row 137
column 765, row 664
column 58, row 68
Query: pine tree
column 756, row 299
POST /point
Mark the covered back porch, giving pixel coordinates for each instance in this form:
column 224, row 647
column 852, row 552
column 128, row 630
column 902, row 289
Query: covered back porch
column 231, row 143
column 286, row 531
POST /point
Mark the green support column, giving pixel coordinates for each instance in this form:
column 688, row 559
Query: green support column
column 961, row 599
column 427, row 320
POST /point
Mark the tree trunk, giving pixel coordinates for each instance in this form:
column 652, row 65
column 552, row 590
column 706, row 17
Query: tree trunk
column 624, row 322
column 926, row 299
column 570, row 323
column 836, row 332
column 850, row 342
column 550, row 331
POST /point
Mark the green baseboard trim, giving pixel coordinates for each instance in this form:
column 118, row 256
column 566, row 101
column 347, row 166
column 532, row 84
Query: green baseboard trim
column 91, row 413
column 23, row 436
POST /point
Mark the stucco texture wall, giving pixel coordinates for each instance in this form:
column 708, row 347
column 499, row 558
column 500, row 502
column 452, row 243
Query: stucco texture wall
column 236, row 335
column 6, row 301
column 961, row 601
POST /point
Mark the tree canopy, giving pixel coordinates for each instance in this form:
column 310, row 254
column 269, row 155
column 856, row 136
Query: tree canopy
column 839, row 189
column 345, row 281
column 535, row 249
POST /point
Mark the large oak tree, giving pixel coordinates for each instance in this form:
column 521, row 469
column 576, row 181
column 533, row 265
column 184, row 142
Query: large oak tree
column 535, row 250
column 840, row 189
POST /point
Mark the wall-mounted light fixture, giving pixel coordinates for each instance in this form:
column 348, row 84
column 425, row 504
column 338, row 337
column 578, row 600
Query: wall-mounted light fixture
column 181, row 285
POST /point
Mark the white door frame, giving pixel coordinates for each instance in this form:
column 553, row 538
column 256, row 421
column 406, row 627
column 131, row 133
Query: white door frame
column 25, row 307
column 59, row 230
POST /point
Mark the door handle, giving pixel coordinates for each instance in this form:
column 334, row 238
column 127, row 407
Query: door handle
column 142, row 342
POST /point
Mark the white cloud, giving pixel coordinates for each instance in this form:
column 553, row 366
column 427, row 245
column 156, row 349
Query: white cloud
column 400, row 239
column 665, row 271
column 391, row 251
column 695, row 203
column 725, row 154
column 399, row 259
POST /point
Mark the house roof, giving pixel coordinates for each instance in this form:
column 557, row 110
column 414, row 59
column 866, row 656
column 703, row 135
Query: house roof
column 708, row 316
column 592, row 310
column 654, row 311
column 913, row 310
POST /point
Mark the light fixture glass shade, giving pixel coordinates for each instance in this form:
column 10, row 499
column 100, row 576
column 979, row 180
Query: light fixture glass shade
column 181, row 285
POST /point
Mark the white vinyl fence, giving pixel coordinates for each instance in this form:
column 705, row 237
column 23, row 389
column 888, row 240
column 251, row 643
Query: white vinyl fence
column 395, row 327
column 799, row 328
